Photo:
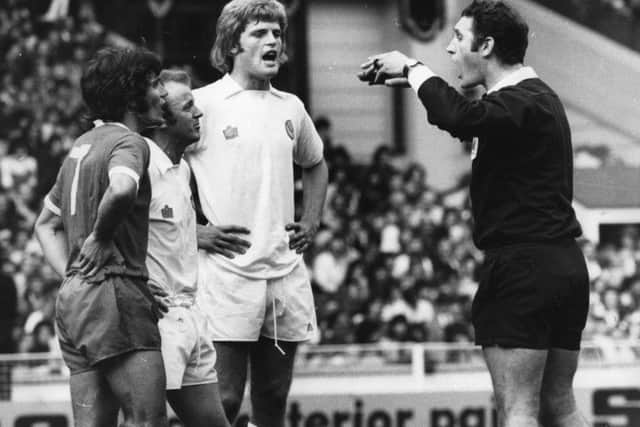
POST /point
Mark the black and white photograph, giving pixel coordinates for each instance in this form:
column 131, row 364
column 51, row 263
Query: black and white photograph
column 320, row 213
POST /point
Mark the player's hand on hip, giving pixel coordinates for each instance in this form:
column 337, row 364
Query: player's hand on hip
column 161, row 297
column 223, row 239
column 95, row 254
column 302, row 234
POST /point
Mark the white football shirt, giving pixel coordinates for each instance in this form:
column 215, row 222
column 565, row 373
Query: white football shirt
column 243, row 167
column 172, row 254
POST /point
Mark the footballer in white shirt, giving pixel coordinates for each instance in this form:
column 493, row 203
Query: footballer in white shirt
column 255, row 286
column 172, row 260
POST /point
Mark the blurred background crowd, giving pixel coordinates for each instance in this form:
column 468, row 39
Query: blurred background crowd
column 393, row 261
column 617, row 19
column 40, row 115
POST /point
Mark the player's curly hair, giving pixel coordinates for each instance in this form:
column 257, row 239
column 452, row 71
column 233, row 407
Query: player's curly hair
column 496, row 19
column 116, row 80
column 232, row 22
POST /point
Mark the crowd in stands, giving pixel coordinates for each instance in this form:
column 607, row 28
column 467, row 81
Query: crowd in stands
column 393, row 262
column 626, row 7
column 616, row 19
column 586, row 10
column 40, row 115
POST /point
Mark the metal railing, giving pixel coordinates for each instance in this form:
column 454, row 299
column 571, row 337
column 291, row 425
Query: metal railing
column 407, row 359
column 426, row 358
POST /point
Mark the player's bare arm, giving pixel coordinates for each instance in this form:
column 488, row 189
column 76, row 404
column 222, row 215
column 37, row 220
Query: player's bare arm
column 223, row 239
column 314, row 186
column 99, row 248
column 52, row 237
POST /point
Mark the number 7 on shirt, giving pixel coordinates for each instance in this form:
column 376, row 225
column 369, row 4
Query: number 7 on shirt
column 77, row 153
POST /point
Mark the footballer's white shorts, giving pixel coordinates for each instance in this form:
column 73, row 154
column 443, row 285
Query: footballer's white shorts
column 187, row 350
column 243, row 309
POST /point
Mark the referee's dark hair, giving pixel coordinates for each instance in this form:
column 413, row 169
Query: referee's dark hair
column 496, row 19
column 116, row 80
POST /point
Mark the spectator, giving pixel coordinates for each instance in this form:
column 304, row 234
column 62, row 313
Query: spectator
column 43, row 340
column 41, row 303
column 397, row 329
column 323, row 126
column 407, row 304
column 18, row 167
column 8, row 299
column 330, row 265
column 593, row 266
column 375, row 183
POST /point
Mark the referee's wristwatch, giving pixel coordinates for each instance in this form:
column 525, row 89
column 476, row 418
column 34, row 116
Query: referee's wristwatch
column 411, row 63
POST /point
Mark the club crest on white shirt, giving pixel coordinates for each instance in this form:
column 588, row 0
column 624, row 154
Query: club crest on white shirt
column 230, row 132
column 474, row 148
column 288, row 126
column 167, row 212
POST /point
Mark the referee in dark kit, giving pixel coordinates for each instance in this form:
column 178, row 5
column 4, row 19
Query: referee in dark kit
column 532, row 302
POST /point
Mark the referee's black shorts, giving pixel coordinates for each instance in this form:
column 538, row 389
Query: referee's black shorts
column 533, row 295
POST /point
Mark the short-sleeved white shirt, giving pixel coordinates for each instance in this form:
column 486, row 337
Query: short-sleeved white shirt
column 172, row 254
column 243, row 167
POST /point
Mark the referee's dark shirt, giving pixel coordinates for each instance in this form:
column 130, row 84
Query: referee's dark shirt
column 522, row 174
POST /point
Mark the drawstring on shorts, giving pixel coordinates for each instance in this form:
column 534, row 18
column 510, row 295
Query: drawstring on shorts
column 275, row 328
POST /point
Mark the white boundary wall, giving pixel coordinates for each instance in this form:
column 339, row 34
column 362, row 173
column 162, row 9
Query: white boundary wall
column 456, row 395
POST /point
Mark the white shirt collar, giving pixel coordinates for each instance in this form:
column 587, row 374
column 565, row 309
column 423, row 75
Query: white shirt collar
column 231, row 87
column 97, row 123
column 514, row 78
column 159, row 158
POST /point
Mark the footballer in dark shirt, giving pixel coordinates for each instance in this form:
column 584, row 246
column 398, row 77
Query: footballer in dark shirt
column 93, row 230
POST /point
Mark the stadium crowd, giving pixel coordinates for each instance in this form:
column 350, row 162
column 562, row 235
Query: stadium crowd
column 393, row 261
column 40, row 115
column 616, row 19
column 587, row 10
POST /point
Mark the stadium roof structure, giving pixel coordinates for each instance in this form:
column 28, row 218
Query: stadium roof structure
column 607, row 187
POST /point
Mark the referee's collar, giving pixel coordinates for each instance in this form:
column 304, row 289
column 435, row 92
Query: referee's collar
column 514, row 78
column 230, row 87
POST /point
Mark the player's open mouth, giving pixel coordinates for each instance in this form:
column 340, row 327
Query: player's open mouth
column 270, row 56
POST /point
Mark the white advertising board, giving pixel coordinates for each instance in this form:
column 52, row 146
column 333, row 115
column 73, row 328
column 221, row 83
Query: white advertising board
column 608, row 397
